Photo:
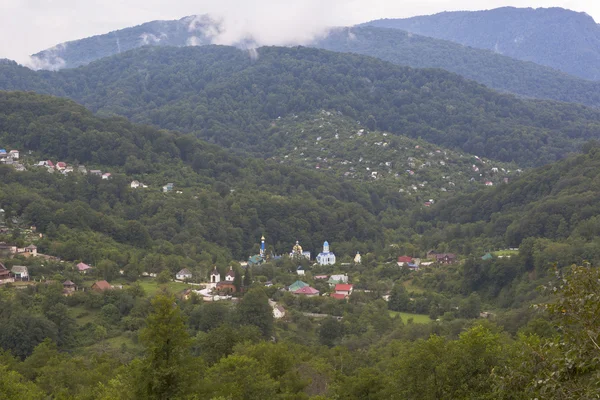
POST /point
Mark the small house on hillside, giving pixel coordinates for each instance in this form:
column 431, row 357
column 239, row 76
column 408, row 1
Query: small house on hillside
column 307, row 291
column 20, row 273
column 404, row 260
column 83, row 268
column 300, row 270
column 183, row 275
column 106, row 176
column 31, row 250
column 69, row 288
column 167, row 188
column 445, row 258
column 101, row 286
column 296, row 285
column 343, row 288
column 278, row 312
column 487, row 257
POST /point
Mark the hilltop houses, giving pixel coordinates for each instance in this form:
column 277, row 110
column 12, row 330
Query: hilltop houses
column 5, row 275
column 20, row 273
column 167, row 188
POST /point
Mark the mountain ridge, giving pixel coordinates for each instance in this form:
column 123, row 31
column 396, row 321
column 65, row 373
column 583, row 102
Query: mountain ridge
column 562, row 39
column 226, row 96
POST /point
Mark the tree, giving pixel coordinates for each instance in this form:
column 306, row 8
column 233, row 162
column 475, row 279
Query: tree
column 166, row 342
column 399, row 300
column 254, row 309
column 330, row 331
column 164, row 276
column 247, row 278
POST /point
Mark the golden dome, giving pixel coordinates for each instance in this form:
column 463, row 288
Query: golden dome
column 297, row 248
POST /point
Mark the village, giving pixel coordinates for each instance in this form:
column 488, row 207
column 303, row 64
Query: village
column 308, row 279
column 14, row 158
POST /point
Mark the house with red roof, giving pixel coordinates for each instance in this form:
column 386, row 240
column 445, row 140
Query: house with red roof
column 61, row 165
column 83, row 268
column 321, row 277
column 404, row 260
column 344, row 289
column 101, row 286
column 307, row 291
column 338, row 296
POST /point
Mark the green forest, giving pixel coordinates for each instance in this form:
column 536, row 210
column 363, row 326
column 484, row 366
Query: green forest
column 223, row 96
column 492, row 69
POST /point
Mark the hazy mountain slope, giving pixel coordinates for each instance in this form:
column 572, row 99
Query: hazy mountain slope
column 224, row 95
column 484, row 66
column 559, row 38
column 492, row 69
column 184, row 32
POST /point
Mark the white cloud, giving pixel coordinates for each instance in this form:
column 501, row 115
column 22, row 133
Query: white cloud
column 28, row 26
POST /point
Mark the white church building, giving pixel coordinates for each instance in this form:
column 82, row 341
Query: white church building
column 326, row 257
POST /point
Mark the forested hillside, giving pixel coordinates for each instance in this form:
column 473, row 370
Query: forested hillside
column 225, row 205
column 484, row 66
column 559, row 38
column 223, row 95
column 551, row 211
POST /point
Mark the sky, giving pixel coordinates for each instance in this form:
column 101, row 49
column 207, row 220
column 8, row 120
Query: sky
column 29, row 26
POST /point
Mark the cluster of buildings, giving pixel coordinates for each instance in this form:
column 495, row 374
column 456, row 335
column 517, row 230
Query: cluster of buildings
column 11, row 158
column 339, row 283
column 432, row 258
column 16, row 273
column 9, row 250
column 325, row 257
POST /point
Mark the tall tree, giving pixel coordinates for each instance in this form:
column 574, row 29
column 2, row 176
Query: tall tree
column 254, row 309
column 167, row 343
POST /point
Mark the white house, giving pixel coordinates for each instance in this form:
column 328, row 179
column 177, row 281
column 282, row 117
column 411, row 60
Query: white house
column 357, row 258
column 14, row 154
column 106, row 176
column 300, row 270
column 135, row 184
column 278, row 312
column 326, row 257
column 20, row 272
column 183, row 275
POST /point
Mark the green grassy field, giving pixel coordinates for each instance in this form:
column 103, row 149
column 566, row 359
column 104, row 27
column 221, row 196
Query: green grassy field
column 151, row 286
column 417, row 318
column 82, row 315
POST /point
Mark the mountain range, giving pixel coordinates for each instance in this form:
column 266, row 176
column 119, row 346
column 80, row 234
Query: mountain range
column 562, row 39
column 229, row 97
column 485, row 65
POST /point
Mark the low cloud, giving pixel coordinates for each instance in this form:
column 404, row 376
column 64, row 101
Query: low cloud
column 266, row 22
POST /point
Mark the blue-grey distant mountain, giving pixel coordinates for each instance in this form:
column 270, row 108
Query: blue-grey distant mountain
column 494, row 70
column 562, row 39
column 484, row 66
column 183, row 32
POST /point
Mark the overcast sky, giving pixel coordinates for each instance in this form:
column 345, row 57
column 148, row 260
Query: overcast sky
column 28, row 26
